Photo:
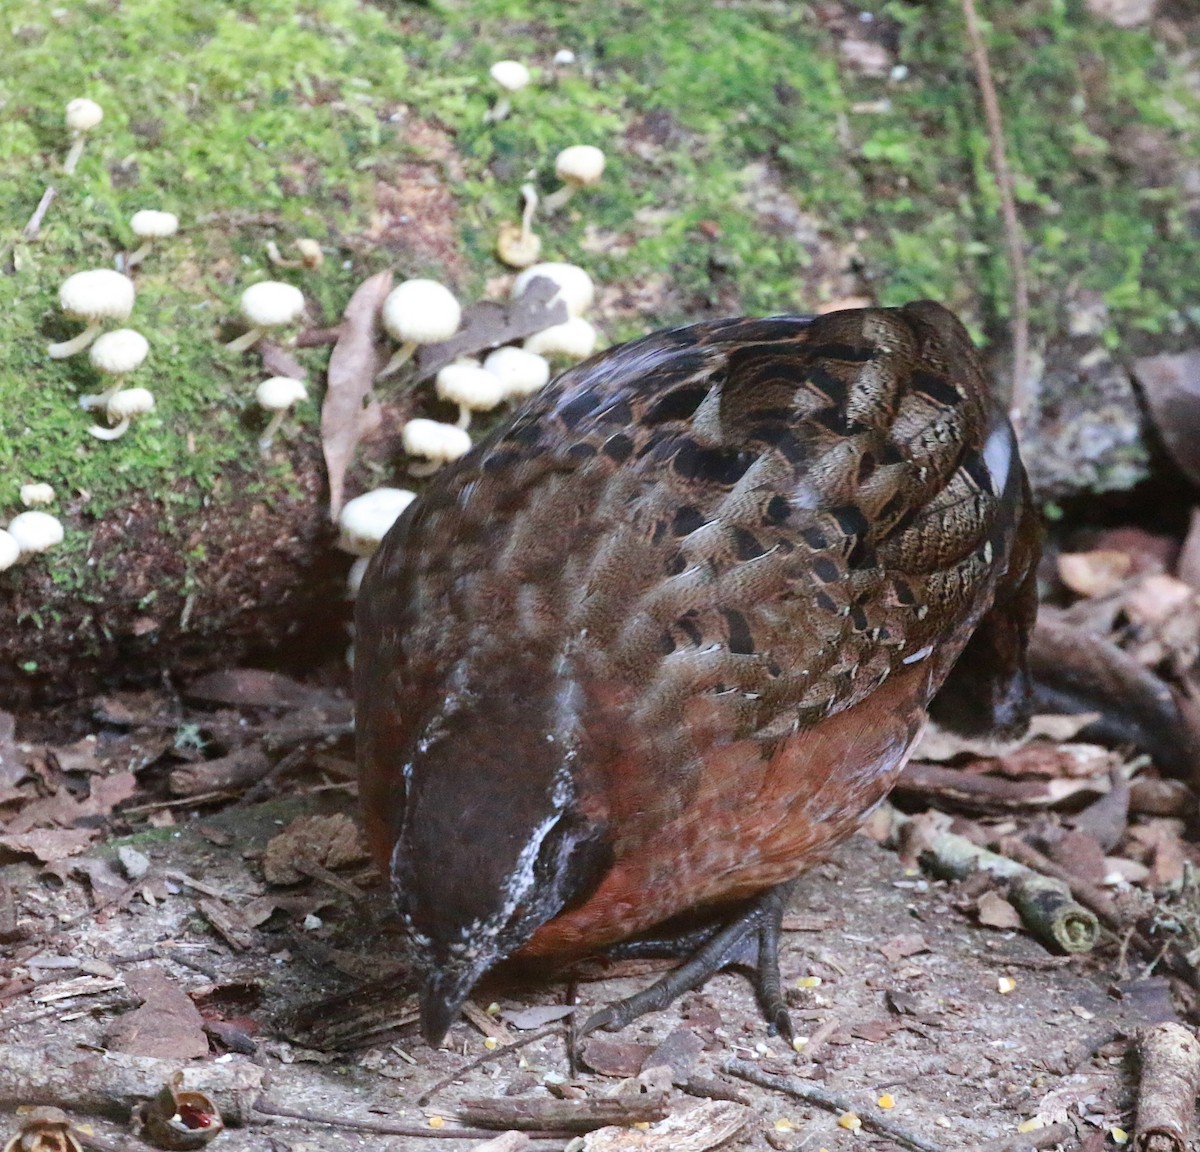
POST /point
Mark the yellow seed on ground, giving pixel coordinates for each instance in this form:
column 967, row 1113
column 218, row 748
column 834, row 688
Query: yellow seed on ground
column 492, row 1009
column 849, row 1121
column 783, row 1124
column 437, row 1122
column 1119, row 1135
column 491, row 1043
column 1030, row 1125
column 800, row 1043
column 642, row 1124
column 1005, row 985
column 887, row 1100
column 809, row 982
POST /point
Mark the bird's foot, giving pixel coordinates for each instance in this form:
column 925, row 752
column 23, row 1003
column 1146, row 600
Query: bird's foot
column 751, row 938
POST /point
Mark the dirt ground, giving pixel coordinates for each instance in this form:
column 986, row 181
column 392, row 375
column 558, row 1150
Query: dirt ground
column 908, row 1000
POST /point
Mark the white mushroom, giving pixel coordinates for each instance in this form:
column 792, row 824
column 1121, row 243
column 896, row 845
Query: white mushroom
column 511, row 76
column 268, row 304
column 10, row 550
column 563, row 57
column 438, row 443
column 277, row 395
column 311, row 255
column 36, row 495
column 418, row 312
column 520, row 373
column 364, row 521
column 575, row 287
column 34, row 532
column 517, row 244
column 82, row 116
column 579, row 166
column 149, row 225
column 575, row 339
column 93, row 296
column 470, row 387
column 115, row 354
column 120, row 409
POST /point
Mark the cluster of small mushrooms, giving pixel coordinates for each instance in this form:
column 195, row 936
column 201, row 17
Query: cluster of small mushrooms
column 417, row 312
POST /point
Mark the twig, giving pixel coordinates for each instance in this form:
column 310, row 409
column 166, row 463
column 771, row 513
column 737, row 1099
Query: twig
column 1039, row 1138
column 1170, row 1057
column 39, row 213
column 1021, row 390
column 486, row 1058
column 385, row 1128
column 811, row 1094
column 535, row 1113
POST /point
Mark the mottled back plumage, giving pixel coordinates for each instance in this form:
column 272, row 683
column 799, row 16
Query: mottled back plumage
column 698, row 549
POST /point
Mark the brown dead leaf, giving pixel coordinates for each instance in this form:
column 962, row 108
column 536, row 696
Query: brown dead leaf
column 487, row 325
column 1094, row 573
column 277, row 361
column 329, row 841
column 1171, row 385
column 613, row 1058
column 902, row 946
column 254, row 688
column 1081, row 855
column 349, row 411
column 48, row 844
column 996, row 912
column 167, row 1025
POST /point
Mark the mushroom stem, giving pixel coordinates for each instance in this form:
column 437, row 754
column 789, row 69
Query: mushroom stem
column 425, row 468
column 137, row 257
column 531, row 203
column 74, row 154
column 268, row 434
column 75, row 344
column 101, row 399
column 464, row 417
column 401, row 357
column 110, row 433
column 556, row 200
column 245, row 340
column 498, row 111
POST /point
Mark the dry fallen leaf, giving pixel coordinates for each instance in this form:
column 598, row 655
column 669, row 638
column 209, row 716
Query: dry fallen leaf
column 1094, row 574
column 167, row 1025
column 706, row 1126
column 349, row 412
column 328, row 841
column 996, row 912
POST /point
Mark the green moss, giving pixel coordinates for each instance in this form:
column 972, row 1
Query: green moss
column 274, row 119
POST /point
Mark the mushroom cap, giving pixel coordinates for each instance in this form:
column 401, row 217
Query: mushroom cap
column 119, row 351
column 129, row 402
column 575, row 339
column 35, row 531
column 365, row 520
column 151, row 224
column 511, row 75
column 471, row 386
column 83, row 114
column 564, row 56
column 520, row 373
column 98, row 294
column 36, row 494
column 10, row 550
column 271, row 304
column 421, row 312
column 575, row 287
column 435, row 441
column 581, row 164
column 279, row 393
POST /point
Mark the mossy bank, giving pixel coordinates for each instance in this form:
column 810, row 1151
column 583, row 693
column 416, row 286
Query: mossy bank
column 762, row 157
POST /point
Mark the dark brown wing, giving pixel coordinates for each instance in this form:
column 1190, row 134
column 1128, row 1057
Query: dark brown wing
column 767, row 515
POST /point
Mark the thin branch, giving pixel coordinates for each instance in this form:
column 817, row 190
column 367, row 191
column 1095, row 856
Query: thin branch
column 811, row 1094
column 1022, row 398
column 39, row 213
column 486, row 1058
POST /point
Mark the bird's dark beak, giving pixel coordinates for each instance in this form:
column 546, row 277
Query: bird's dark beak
column 441, row 999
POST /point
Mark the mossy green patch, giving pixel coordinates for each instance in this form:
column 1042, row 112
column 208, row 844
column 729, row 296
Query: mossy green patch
column 275, row 119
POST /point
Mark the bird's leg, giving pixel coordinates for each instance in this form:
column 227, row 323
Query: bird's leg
column 751, row 937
